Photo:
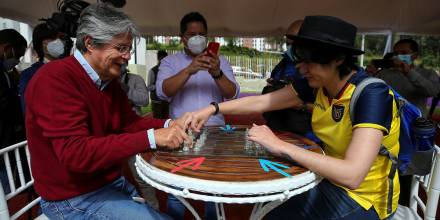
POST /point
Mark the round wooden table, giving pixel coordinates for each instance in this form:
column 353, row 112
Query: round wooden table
column 229, row 173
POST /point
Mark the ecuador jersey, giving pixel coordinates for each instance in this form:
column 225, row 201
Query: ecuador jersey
column 376, row 108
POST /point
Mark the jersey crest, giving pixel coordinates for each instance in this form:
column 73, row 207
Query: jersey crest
column 337, row 112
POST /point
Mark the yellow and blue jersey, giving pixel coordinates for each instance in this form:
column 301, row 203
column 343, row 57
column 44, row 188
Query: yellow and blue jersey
column 376, row 108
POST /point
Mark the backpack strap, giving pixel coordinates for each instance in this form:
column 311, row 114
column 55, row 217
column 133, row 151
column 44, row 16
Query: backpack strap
column 358, row 90
column 394, row 164
column 383, row 151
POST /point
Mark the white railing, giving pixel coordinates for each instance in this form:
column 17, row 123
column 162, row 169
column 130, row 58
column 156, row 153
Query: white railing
column 11, row 162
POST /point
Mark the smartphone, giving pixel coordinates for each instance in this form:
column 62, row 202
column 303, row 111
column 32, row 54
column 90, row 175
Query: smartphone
column 213, row 47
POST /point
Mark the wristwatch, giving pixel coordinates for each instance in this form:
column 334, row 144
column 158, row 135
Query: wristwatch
column 217, row 109
column 218, row 76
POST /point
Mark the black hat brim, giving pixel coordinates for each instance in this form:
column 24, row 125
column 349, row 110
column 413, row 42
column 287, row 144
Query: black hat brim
column 298, row 39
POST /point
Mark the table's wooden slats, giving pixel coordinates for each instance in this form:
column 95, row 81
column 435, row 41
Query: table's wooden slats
column 228, row 167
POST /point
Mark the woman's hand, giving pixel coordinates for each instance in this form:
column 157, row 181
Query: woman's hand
column 183, row 121
column 200, row 117
column 265, row 137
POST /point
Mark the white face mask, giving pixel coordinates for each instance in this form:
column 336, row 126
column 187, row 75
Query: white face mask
column 197, row 44
column 55, row 48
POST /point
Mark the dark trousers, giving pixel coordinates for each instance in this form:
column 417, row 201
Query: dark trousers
column 324, row 201
column 405, row 189
column 160, row 109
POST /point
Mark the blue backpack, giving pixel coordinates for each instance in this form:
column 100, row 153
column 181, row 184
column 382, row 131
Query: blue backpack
column 411, row 160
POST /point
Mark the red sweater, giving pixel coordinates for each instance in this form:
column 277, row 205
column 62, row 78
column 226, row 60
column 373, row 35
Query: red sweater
column 79, row 136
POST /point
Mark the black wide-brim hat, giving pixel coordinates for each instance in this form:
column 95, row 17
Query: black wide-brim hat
column 328, row 30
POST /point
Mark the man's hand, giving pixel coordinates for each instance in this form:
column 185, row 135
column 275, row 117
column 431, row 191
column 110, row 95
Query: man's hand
column 269, row 81
column 402, row 66
column 214, row 63
column 171, row 137
column 200, row 62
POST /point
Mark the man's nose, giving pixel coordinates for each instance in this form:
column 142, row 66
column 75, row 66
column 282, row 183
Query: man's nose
column 126, row 56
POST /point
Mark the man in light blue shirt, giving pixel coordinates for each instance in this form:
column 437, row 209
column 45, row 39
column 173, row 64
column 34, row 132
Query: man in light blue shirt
column 194, row 78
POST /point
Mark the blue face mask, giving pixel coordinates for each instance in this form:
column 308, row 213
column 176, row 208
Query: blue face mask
column 406, row 58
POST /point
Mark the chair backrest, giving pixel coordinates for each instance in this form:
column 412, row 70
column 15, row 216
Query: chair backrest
column 431, row 185
column 15, row 171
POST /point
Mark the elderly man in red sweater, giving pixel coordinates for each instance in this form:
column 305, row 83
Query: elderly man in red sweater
column 81, row 127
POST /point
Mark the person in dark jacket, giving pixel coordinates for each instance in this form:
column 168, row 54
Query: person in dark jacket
column 49, row 45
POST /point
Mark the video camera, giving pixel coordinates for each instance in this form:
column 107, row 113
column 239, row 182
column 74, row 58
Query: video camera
column 66, row 19
column 385, row 63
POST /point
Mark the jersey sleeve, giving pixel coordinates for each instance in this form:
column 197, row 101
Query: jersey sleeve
column 374, row 108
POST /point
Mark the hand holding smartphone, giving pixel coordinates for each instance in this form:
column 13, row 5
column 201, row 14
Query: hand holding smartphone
column 213, row 48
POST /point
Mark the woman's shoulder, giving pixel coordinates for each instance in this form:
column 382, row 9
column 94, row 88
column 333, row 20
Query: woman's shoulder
column 361, row 75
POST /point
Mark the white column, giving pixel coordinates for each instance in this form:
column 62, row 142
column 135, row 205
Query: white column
column 26, row 31
column 362, row 48
column 138, row 60
column 389, row 44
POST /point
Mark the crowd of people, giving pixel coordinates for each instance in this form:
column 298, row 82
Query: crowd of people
column 82, row 113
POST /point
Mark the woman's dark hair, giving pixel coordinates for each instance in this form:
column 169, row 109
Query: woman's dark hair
column 42, row 32
column 323, row 54
column 192, row 17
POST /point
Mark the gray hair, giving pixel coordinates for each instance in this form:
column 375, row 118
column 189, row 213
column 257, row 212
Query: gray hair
column 102, row 22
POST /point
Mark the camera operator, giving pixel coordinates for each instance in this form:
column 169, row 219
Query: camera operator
column 378, row 65
column 413, row 82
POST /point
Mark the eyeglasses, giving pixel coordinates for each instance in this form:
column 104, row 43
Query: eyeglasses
column 123, row 49
column 313, row 55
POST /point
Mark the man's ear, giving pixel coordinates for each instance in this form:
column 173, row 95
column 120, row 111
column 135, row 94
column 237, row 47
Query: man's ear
column 89, row 44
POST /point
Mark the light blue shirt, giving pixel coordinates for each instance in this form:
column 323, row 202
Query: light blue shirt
column 90, row 71
column 199, row 90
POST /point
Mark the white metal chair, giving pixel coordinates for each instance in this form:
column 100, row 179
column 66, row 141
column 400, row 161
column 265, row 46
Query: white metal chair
column 23, row 183
column 431, row 185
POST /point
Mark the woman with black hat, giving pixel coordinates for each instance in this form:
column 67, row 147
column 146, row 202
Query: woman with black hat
column 355, row 184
